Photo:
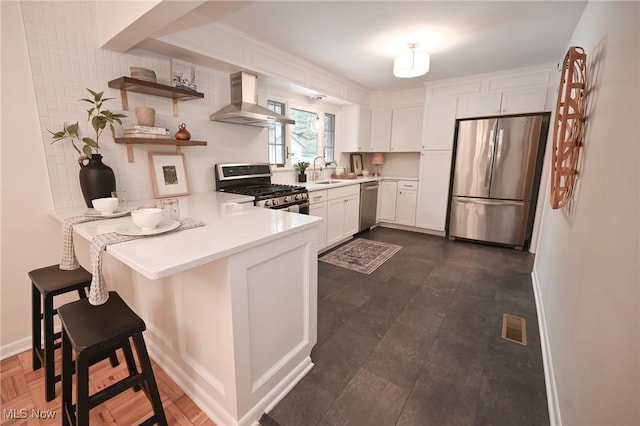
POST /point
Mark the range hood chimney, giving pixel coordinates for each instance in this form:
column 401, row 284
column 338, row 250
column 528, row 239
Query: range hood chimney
column 244, row 108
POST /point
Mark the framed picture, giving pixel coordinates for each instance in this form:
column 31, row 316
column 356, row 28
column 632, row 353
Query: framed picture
column 183, row 75
column 168, row 174
column 356, row 164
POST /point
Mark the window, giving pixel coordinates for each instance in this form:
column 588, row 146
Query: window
column 304, row 138
column 329, row 137
column 277, row 148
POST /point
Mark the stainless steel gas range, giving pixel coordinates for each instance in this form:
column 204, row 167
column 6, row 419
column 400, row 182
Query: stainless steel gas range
column 255, row 180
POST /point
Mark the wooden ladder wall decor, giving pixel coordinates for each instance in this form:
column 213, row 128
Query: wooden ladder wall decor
column 568, row 130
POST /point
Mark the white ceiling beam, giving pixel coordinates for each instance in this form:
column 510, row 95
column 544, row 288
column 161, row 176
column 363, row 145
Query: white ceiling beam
column 121, row 25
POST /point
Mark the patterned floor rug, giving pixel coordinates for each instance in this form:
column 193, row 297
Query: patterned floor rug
column 361, row 255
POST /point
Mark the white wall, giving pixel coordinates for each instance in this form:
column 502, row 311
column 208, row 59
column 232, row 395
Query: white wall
column 48, row 59
column 65, row 60
column 29, row 237
column 586, row 271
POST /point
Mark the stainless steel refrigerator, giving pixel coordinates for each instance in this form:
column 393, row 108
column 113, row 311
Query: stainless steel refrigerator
column 496, row 176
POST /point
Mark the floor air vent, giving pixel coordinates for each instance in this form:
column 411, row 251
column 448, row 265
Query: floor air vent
column 514, row 329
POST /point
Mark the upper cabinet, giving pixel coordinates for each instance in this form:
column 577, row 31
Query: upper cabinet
column 380, row 129
column 406, row 129
column 396, row 129
column 439, row 123
column 502, row 103
column 355, row 128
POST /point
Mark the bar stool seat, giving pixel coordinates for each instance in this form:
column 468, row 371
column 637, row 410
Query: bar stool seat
column 46, row 283
column 91, row 332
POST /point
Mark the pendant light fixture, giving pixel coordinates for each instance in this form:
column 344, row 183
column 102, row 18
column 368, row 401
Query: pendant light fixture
column 318, row 125
column 411, row 64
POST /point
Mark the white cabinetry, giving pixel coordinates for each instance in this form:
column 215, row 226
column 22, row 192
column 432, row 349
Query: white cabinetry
column 318, row 208
column 439, row 123
column 380, row 129
column 343, row 213
column 406, row 203
column 387, row 195
column 406, row 129
column 397, row 202
column 433, row 192
column 355, row 128
column 517, row 101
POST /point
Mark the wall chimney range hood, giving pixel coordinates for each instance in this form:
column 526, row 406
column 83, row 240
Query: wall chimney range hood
column 244, row 108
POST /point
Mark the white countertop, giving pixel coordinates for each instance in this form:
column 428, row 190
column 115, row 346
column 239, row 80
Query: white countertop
column 229, row 228
column 335, row 183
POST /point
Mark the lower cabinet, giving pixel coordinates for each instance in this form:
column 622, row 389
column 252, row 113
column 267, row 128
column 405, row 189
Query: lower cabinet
column 406, row 203
column 433, row 194
column 318, row 208
column 343, row 213
column 387, row 195
column 397, row 202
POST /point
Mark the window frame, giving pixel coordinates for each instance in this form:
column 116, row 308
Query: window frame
column 293, row 101
column 325, row 145
column 283, row 131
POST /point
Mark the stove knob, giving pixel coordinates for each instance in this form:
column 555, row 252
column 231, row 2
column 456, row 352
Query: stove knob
column 298, row 197
column 267, row 203
column 274, row 202
column 286, row 199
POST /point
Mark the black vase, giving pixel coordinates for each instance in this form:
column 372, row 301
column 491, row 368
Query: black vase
column 96, row 179
column 302, row 177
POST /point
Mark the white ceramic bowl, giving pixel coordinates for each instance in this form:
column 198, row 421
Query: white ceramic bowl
column 147, row 219
column 105, row 205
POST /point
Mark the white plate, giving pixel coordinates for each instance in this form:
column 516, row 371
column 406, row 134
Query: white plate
column 96, row 213
column 165, row 225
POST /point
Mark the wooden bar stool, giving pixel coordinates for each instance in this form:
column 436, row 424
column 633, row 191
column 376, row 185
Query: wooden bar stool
column 46, row 283
column 92, row 332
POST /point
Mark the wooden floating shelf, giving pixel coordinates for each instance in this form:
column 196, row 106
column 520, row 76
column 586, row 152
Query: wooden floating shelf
column 129, row 84
column 155, row 141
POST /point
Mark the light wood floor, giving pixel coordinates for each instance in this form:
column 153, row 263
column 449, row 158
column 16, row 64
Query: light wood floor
column 21, row 388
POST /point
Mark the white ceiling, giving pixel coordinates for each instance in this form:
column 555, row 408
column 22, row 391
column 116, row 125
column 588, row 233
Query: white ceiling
column 359, row 39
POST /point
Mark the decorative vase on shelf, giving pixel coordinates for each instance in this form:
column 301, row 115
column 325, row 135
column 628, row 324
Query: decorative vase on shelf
column 97, row 180
column 183, row 134
column 302, row 177
column 146, row 116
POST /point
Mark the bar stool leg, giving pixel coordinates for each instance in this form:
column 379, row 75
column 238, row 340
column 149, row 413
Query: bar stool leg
column 36, row 327
column 49, row 350
column 131, row 363
column 150, row 381
column 67, row 374
column 82, row 390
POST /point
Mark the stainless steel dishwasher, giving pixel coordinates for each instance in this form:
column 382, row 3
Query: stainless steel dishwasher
column 368, row 204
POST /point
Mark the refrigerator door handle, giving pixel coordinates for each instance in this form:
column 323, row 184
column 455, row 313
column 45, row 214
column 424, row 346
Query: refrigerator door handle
column 487, row 173
column 499, row 148
column 489, row 202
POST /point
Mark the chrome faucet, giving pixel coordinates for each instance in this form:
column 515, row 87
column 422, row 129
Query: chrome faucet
column 313, row 174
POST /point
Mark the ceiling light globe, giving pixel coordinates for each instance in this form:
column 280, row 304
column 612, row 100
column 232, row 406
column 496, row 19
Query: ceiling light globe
column 412, row 64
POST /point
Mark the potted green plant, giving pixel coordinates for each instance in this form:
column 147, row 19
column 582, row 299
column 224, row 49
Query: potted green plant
column 301, row 166
column 97, row 180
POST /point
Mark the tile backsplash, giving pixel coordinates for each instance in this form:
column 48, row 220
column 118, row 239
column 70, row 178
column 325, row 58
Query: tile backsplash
column 65, row 61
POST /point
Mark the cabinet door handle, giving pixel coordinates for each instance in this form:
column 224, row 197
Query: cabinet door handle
column 318, row 197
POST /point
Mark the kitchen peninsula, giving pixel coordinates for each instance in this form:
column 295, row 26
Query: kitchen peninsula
column 230, row 307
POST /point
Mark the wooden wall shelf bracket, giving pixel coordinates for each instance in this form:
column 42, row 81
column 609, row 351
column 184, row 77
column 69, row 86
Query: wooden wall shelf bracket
column 130, row 142
column 129, row 84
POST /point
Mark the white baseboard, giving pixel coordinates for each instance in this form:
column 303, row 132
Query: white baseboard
column 22, row 345
column 555, row 419
column 15, row 348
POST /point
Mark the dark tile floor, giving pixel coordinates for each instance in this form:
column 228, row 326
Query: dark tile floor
column 418, row 342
